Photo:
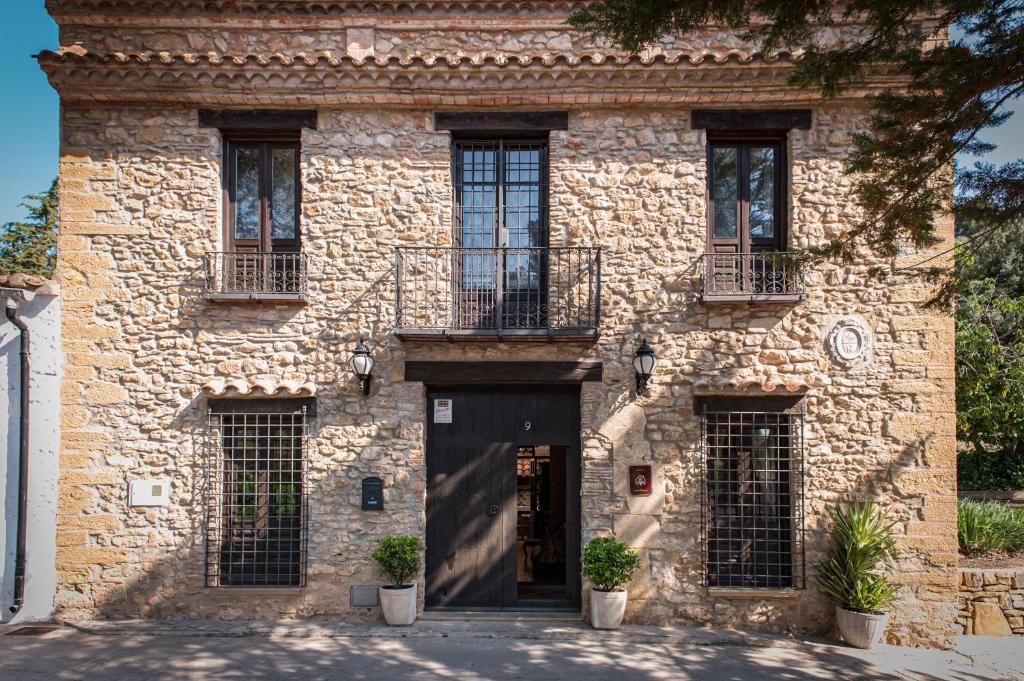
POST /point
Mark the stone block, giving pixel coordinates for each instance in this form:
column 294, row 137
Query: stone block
column 915, row 426
column 70, row 200
column 76, row 170
column 90, row 477
column 101, row 556
column 93, row 522
column 100, row 392
column 98, row 228
column 639, row 531
column 988, row 620
column 927, row 358
column 919, row 323
column 105, row 360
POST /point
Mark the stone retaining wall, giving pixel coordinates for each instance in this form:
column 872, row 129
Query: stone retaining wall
column 1011, row 499
column 992, row 602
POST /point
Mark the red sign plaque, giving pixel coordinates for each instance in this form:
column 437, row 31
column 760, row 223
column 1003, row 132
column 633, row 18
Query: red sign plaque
column 640, row 482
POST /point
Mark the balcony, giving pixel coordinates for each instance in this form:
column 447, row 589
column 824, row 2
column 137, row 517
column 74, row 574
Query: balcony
column 255, row 277
column 504, row 294
column 751, row 278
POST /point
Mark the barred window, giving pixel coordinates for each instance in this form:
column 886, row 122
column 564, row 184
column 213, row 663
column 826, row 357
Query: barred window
column 752, row 498
column 257, row 515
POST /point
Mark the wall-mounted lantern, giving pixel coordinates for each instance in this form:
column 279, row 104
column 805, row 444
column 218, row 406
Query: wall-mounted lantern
column 644, row 363
column 362, row 365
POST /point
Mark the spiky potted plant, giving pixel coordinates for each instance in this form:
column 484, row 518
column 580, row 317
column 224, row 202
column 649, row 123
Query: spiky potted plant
column 862, row 545
column 399, row 559
column 609, row 565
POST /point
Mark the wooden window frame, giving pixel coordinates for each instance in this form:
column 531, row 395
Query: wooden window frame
column 266, row 141
column 743, row 141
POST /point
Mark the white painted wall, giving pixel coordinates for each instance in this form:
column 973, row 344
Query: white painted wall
column 42, row 315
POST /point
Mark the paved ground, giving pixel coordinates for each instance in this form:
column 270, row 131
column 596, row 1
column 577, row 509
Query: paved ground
column 474, row 652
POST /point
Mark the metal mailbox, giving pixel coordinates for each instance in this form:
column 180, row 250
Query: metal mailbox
column 373, row 494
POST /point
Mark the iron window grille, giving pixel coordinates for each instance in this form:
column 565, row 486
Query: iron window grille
column 257, row 514
column 752, row 499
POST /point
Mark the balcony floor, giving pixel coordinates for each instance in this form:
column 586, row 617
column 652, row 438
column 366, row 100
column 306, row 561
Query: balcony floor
column 752, row 298
column 256, row 297
column 499, row 335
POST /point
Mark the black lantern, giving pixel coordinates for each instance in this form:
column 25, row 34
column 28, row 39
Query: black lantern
column 362, row 365
column 644, row 363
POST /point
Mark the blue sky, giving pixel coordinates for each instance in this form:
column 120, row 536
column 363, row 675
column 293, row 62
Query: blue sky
column 29, row 107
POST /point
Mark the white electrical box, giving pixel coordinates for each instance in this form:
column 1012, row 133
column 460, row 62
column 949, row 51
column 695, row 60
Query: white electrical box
column 149, row 492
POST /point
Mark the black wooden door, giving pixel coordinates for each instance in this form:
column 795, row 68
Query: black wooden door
column 471, row 490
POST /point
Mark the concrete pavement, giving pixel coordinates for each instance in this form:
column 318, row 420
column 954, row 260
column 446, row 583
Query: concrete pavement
column 474, row 652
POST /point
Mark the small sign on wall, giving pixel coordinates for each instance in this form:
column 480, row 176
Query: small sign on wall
column 640, row 482
column 149, row 492
column 442, row 411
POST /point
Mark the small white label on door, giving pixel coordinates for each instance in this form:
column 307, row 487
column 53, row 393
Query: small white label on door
column 442, row 411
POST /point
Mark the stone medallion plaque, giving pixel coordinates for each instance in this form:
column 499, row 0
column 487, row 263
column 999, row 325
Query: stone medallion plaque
column 849, row 342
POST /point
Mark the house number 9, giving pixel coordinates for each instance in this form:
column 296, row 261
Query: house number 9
column 527, row 425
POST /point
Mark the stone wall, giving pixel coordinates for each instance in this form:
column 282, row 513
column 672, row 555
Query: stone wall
column 141, row 204
column 991, row 602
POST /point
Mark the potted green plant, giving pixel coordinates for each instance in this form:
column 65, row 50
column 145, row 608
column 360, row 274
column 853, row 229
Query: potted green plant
column 861, row 545
column 608, row 564
column 399, row 559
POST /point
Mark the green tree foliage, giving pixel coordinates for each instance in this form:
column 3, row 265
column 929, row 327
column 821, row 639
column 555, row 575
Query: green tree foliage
column 949, row 93
column 31, row 246
column 997, row 255
column 990, row 366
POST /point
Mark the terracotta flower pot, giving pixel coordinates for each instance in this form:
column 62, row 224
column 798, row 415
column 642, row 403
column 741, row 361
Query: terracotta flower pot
column 399, row 605
column 607, row 608
column 859, row 629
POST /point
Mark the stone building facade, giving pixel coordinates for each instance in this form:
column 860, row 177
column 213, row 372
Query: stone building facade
column 164, row 102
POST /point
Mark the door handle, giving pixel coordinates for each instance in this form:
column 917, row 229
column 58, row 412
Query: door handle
column 492, row 510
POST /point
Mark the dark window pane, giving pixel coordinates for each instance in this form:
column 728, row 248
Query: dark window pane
column 522, row 165
column 762, row 192
column 479, row 216
column 247, row 193
column 283, row 190
column 522, row 216
column 479, row 270
column 724, row 190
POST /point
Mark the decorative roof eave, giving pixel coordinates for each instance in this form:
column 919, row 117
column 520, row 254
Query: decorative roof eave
column 771, row 385
column 257, row 388
column 315, row 8
column 30, row 282
column 325, row 79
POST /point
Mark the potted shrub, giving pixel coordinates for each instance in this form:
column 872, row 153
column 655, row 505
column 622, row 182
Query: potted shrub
column 861, row 544
column 399, row 559
column 608, row 564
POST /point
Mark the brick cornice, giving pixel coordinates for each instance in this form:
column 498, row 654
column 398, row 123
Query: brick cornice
column 324, row 79
column 265, row 8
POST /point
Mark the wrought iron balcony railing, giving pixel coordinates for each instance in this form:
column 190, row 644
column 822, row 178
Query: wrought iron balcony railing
column 498, row 293
column 255, row 276
column 769, row 277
